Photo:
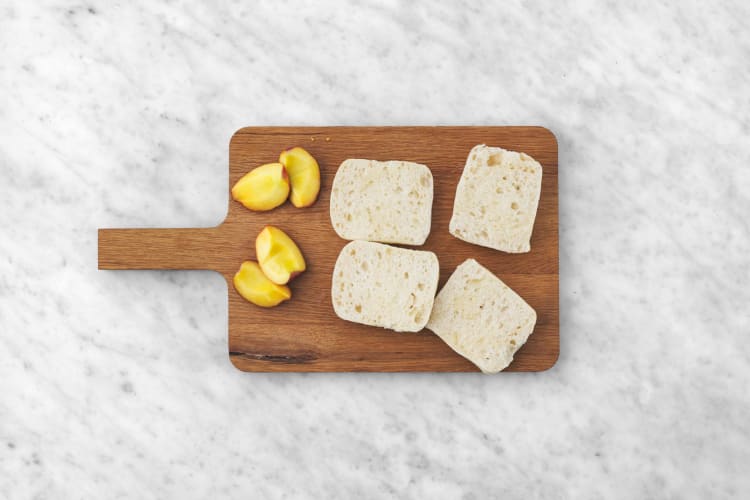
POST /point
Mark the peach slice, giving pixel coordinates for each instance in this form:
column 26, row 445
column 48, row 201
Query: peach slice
column 255, row 287
column 278, row 256
column 263, row 188
column 304, row 174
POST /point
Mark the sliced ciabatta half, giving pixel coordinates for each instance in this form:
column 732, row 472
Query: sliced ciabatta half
column 481, row 318
column 380, row 285
column 385, row 201
column 496, row 199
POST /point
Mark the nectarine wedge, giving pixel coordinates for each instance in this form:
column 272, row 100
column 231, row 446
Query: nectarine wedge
column 263, row 188
column 278, row 256
column 255, row 287
column 304, row 174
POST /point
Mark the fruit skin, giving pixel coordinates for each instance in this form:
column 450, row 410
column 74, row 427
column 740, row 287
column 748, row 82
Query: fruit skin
column 255, row 287
column 304, row 174
column 278, row 256
column 263, row 188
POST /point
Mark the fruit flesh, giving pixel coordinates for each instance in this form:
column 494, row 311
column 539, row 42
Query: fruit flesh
column 278, row 256
column 255, row 287
column 304, row 175
column 263, row 188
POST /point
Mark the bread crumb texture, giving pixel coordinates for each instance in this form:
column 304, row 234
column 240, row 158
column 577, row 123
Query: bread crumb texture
column 481, row 318
column 497, row 199
column 380, row 285
column 385, row 201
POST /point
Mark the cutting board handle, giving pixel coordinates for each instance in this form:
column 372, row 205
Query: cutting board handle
column 184, row 248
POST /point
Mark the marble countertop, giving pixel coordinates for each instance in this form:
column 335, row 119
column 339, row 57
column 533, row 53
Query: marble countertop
column 118, row 385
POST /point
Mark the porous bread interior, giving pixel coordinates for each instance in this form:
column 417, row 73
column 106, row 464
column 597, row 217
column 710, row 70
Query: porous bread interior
column 384, row 201
column 497, row 199
column 481, row 318
column 380, row 285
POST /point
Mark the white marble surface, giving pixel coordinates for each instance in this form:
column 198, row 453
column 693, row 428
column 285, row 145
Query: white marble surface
column 117, row 384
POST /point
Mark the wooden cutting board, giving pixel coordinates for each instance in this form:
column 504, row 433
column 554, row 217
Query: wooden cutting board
column 303, row 334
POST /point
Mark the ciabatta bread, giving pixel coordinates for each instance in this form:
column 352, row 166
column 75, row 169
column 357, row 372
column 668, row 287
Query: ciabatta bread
column 481, row 318
column 385, row 201
column 381, row 285
column 496, row 199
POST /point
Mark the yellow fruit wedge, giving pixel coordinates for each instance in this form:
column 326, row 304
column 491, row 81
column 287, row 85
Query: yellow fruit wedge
column 278, row 256
column 304, row 174
column 263, row 188
column 255, row 287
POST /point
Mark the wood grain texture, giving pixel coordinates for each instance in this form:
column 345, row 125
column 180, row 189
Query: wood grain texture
column 304, row 334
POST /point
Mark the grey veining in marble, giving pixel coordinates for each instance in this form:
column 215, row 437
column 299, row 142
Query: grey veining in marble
column 118, row 114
